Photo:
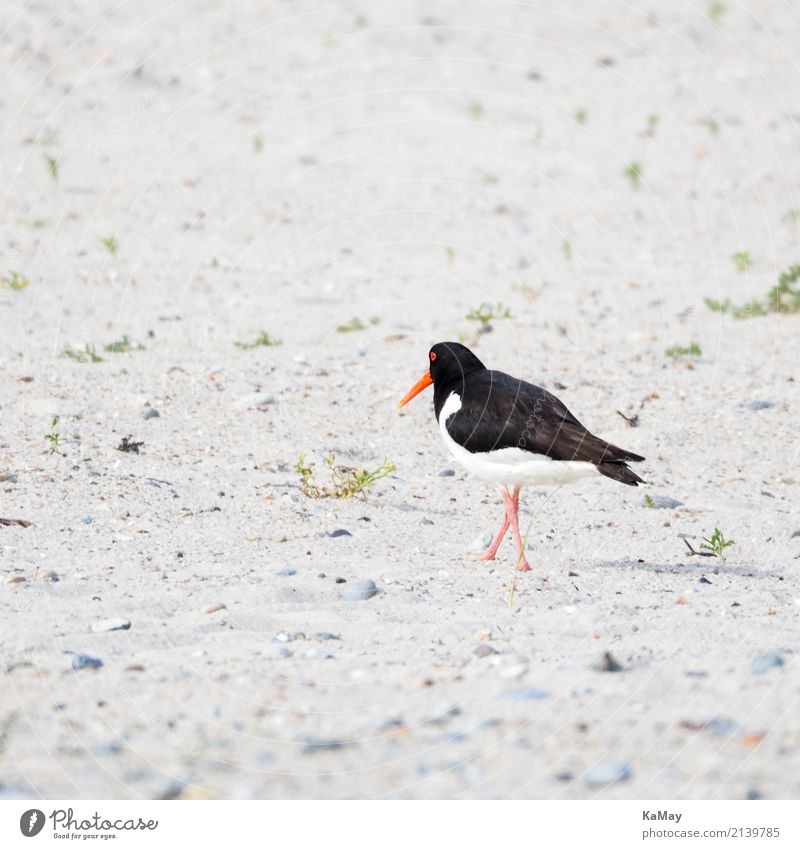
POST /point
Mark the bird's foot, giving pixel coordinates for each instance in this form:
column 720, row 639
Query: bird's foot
column 524, row 566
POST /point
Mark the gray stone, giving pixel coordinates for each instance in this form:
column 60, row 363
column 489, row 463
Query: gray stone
column 255, row 401
column 759, row 405
column 276, row 652
column 359, row 590
column 526, row 694
column 105, row 625
column 288, row 636
column 287, row 572
column 763, row 663
column 601, row 775
column 152, row 413
column 447, row 473
column 664, row 502
column 339, row 532
column 85, row 661
column 484, row 650
column 481, row 542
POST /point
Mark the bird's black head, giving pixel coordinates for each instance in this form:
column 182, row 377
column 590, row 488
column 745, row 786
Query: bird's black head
column 449, row 363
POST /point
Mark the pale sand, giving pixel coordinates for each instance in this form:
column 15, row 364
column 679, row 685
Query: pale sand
column 287, row 170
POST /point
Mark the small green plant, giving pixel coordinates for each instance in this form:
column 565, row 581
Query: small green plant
column 53, row 436
column 345, row 481
column 530, row 293
column 634, row 173
column 652, row 124
column 716, row 11
column 87, row 355
column 713, row 126
column 16, row 281
column 742, row 260
column 356, row 323
column 258, row 143
column 676, row 351
column 783, row 299
column 476, row 110
column 52, row 166
column 123, row 346
column 716, row 544
column 111, row 244
column 648, row 501
column 451, row 254
column 566, row 249
column 263, row 340
column 580, row 116
column 487, row 312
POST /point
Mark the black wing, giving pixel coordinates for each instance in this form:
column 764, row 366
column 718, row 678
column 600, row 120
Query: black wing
column 500, row 411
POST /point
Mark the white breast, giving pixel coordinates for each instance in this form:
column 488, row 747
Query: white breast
column 511, row 466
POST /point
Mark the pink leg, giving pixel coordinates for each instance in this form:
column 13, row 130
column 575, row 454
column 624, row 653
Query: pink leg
column 524, row 566
column 491, row 551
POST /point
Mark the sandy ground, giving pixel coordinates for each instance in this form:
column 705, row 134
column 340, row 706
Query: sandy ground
column 286, row 170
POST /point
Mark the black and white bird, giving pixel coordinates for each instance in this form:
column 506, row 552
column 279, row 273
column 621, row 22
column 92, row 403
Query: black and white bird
column 507, row 431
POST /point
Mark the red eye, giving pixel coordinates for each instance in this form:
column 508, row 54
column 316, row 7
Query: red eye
column 433, row 356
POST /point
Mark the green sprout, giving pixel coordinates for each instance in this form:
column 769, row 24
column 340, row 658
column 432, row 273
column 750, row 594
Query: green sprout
column 123, row 346
column 716, row 11
column 648, row 500
column 742, row 260
column 676, row 351
column 356, row 323
column 53, row 436
column 476, row 110
column 634, row 173
column 716, row 544
column 783, row 299
column 52, row 166
column 580, row 116
column 16, row 281
column 111, row 244
column 263, row 340
column 345, row 481
column 87, row 355
column 487, row 312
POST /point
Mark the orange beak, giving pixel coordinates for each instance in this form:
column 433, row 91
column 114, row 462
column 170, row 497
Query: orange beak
column 423, row 383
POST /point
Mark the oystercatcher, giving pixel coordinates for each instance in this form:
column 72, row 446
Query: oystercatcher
column 508, row 431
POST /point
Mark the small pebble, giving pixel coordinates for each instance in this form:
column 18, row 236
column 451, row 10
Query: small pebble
column 214, row 607
column 287, row 572
column 318, row 652
column 51, row 576
column 339, row 532
column 17, row 579
column 288, row 637
column 608, row 663
column 87, row 520
column 484, row 650
column 765, row 662
column 85, row 661
column 105, row 625
column 703, row 580
column 318, row 744
column 759, row 405
column 526, row 694
column 663, row 502
column 481, row 542
column 359, row 590
column 447, row 473
column 255, row 401
column 340, row 580
column 152, row 413
column 276, row 652
column 324, row 635
column 602, row 775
